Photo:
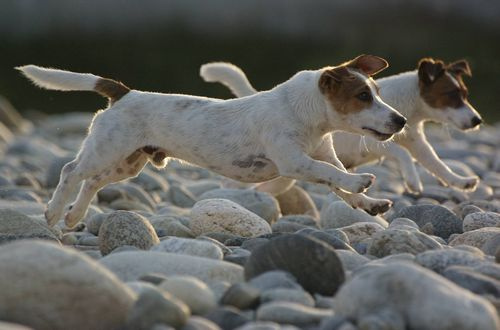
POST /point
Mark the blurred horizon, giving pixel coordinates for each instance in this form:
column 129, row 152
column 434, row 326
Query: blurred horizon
column 159, row 45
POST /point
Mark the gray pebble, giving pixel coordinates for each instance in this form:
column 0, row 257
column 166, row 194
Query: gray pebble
column 154, row 306
column 241, row 296
column 126, row 228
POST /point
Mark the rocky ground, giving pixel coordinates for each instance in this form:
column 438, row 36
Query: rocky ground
column 175, row 249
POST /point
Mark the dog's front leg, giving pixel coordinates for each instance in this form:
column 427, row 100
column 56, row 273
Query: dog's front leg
column 423, row 152
column 296, row 164
column 401, row 155
column 371, row 205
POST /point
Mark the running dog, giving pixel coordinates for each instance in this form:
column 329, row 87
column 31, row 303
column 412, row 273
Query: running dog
column 251, row 139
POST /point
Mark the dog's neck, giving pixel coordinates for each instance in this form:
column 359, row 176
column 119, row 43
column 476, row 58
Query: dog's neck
column 402, row 92
column 302, row 94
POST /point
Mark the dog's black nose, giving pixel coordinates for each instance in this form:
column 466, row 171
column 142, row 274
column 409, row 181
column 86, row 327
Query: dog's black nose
column 476, row 121
column 398, row 120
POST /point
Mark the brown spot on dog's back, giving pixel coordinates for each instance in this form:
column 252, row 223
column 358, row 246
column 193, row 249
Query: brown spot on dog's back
column 149, row 149
column 159, row 157
column 119, row 170
column 113, row 90
column 440, row 87
column 133, row 157
column 341, row 86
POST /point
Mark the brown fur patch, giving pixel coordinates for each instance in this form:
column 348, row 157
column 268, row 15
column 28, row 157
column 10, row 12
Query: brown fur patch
column 149, row 149
column 159, row 157
column 111, row 89
column 119, row 170
column 441, row 91
column 341, row 87
column 133, row 157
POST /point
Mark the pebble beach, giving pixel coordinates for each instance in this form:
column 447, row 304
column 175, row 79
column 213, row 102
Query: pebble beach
column 181, row 248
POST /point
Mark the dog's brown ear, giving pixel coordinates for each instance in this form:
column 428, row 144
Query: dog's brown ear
column 368, row 64
column 429, row 70
column 460, row 67
column 331, row 78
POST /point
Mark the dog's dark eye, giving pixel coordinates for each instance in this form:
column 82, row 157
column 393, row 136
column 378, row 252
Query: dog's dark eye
column 364, row 96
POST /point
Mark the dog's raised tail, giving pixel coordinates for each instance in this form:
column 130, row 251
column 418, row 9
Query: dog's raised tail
column 229, row 75
column 71, row 81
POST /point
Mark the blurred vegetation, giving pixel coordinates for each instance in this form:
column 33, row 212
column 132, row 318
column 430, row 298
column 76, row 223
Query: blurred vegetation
column 168, row 59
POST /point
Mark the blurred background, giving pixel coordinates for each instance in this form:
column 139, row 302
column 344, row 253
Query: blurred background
column 159, row 45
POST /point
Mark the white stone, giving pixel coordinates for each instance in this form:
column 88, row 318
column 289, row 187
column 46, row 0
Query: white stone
column 425, row 300
column 50, row 287
column 189, row 246
column 358, row 232
column 193, row 292
column 130, row 265
column 478, row 220
column 225, row 216
column 339, row 214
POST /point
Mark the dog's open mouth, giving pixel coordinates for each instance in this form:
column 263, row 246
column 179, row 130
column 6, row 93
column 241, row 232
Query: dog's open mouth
column 378, row 135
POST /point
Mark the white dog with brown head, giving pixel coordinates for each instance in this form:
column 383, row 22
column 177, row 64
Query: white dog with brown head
column 252, row 139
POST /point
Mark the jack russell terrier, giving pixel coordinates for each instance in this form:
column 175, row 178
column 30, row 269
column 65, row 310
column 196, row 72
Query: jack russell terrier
column 434, row 92
column 257, row 138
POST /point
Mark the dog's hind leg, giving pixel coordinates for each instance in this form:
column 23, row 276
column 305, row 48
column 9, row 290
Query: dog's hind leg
column 68, row 181
column 127, row 168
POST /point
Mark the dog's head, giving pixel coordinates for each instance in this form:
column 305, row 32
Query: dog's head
column 445, row 94
column 353, row 100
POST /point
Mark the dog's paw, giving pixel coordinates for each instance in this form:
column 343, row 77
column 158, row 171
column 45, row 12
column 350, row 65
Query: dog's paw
column 72, row 217
column 379, row 206
column 466, row 183
column 361, row 182
column 52, row 216
column 414, row 185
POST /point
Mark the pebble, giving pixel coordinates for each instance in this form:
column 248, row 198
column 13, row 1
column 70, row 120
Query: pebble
column 328, row 238
column 420, row 297
column 338, row 214
column 283, row 226
column 432, row 219
column 194, row 293
column 180, row 196
column 260, row 203
column 242, row 296
column 41, row 279
column 479, row 220
column 189, row 246
column 227, row 317
column 302, row 219
column 395, row 240
column 154, row 307
column 126, row 228
column 351, row 260
column 290, row 295
column 222, row 215
column 297, row 201
column 360, row 231
column 475, row 238
column 314, row 263
column 131, row 265
column 15, row 225
column 94, row 222
column 468, row 279
column 238, row 256
column 439, row 260
column 199, row 323
column 274, row 279
column 291, row 313
column 491, row 245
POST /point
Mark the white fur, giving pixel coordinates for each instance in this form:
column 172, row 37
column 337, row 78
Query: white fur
column 59, row 79
column 401, row 92
column 256, row 138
